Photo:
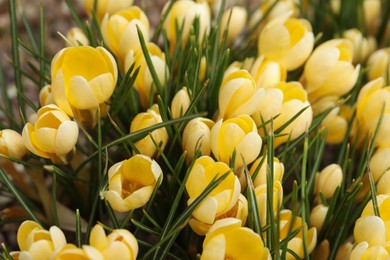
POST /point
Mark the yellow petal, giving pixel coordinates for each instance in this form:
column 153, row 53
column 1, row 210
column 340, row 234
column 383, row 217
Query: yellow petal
column 117, row 251
column 102, row 87
column 80, row 94
column 57, row 237
column 206, row 210
column 66, row 138
column 98, row 238
column 41, row 249
column 44, row 139
column 214, row 249
column 116, row 201
column 139, row 197
column 370, row 229
column 25, row 229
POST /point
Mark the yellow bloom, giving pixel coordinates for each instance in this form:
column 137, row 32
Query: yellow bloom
column 120, row 244
column 37, row 243
column 364, row 252
column 236, row 135
column 285, row 100
column 289, row 224
column 379, row 64
column 328, row 180
column 131, row 182
column 76, row 37
column 372, row 98
column 267, row 73
column 362, row 46
column 119, row 31
column 239, row 211
column 380, row 163
column 46, row 96
column 83, row 78
column 180, row 103
column 262, row 200
column 146, row 119
column 383, row 187
column 11, row 144
column 317, row 216
column 196, row 137
column 262, row 171
column 372, row 15
column 53, row 136
column 329, row 70
column 183, row 13
column 370, row 229
column 237, row 23
column 221, row 199
column 144, row 83
column 383, row 207
column 226, row 239
column 106, row 6
column 238, row 95
column 71, row 252
column 295, row 41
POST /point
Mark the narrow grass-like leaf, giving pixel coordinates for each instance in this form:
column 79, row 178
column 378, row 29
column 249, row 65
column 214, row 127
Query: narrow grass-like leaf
column 78, row 228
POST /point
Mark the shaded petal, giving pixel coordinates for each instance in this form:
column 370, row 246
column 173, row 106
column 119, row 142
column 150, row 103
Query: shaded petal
column 98, row 238
column 80, row 94
column 66, row 138
column 102, row 87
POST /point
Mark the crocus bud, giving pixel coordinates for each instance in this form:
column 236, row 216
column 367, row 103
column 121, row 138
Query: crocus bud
column 46, row 96
column 238, row 95
column 364, row 251
column 236, row 135
column 146, row 146
column 370, row 229
column 83, row 78
column 238, row 242
column 127, row 189
column 328, row 180
column 119, row 31
column 182, row 16
column 119, row 244
column 53, row 136
column 285, row 100
column 380, row 163
column 11, row 144
column 262, row 200
column 372, row 15
column 383, row 202
column 344, row 251
column 144, row 83
column 222, row 199
column 379, row 64
column 106, row 6
column 362, row 46
column 196, row 137
column 262, row 170
column 329, row 70
column 76, row 37
column 317, row 216
column 267, row 73
column 238, row 18
column 294, row 45
column 180, row 103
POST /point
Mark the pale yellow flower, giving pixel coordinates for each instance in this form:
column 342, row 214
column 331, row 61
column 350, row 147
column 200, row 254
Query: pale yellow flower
column 372, row 15
column 370, row 229
column 119, row 31
column 238, row 95
column 131, row 182
column 328, row 180
column 36, row 243
column 239, row 211
column 364, row 252
column 221, row 199
column 144, row 83
column 383, row 202
column 119, row 244
column 83, row 78
column 317, row 216
column 71, row 252
column 329, row 70
column 285, row 100
column 379, row 64
column 262, row 170
column 238, row 18
column 76, row 37
column 363, row 46
column 267, row 73
column 383, row 185
column 106, row 6
column 46, row 96
column 180, row 103
column 146, row 146
column 53, row 136
column 380, row 163
column 262, row 200
column 295, row 41
column 11, row 144
column 196, row 137
column 236, row 135
column 226, row 239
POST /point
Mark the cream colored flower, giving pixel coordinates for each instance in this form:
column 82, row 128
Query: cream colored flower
column 380, row 163
column 317, row 216
column 370, row 229
column 267, row 73
column 383, row 202
column 120, row 244
column 46, row 96
column 37, row 243
column 262, row 200
column 379, row 64
column 144, row 83
column 11, row 144
column 294, row 44
column 328, row 180
column 53, row 136
column 83, row 79
column 72, row 252
column 146, row 146
column 329, row 70
column 226, row 239
column 364, row 252
column 234, row 21
column 363, row 46
column 285, row 100
column 106, row 6
column 221, row 199
column 262, row 170
column 236, row 135
column 180, row 103
column 196, row 137
column 119, row 31
column 131, row 182
column 76, row 37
